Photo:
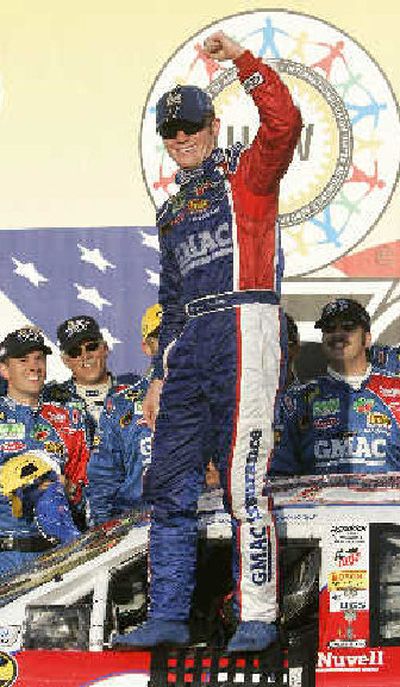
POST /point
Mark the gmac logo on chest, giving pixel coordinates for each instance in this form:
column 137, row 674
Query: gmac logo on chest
column 204, row 247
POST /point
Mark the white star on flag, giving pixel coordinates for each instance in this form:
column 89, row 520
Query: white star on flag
column 29, row 271
column 150, row 240
column 109, row 338
column 95, row 257
column 152, row 277
column 92, row 296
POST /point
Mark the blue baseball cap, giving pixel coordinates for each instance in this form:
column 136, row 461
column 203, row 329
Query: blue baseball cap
column 346, row 308
column 183, row 102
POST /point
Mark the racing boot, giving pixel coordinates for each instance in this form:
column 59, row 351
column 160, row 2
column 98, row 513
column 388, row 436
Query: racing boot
column 154, row 632
column 253, row 635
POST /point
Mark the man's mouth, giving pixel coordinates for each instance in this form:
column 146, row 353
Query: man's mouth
column 187, row 148
column 338, row 344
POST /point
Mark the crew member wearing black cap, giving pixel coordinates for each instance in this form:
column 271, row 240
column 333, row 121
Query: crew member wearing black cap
column 219, row 289
column 39, row 442
column 347, row 420
column 84, row 351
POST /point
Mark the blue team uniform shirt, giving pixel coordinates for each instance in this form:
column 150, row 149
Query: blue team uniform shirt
column 121, row 454
column 23, row 428
column 326, row 426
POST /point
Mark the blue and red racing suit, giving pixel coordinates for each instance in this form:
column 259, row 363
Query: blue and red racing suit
column 121, row 454
column 59, row 431
column 326, row 426
column 67, row 392
column 221, row 267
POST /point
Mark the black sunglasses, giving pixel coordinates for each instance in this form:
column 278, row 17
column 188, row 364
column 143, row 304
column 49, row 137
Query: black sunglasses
column 171, row 128
column 89, row 346
column 344, row 325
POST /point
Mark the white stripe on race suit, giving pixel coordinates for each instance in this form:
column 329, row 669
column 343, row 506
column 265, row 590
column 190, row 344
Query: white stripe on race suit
column 235, row 242
column 259, row 383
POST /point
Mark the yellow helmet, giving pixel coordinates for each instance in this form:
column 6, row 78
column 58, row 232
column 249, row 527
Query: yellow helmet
column 24, row 469
column 151, row 320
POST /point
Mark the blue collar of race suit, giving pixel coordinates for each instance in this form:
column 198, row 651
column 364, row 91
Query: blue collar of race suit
column 207, row 168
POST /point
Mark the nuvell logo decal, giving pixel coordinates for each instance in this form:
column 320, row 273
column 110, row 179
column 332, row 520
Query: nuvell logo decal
column 346, row 164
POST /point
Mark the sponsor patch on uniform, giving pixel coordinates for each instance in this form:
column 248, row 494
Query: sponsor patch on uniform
column 12, row 430
column 198, row 204
column 379, row 420
column 324, row 407
column 389, row 392
column 40, row 432
column 13, row 446
column 363, row 405
column 96, row 441
column 325, row 422
column 55, row 416
column 177, row 203
column 253, row 81
column 202, row 188
column 125, row 420
column 55, row 447
column 131, row 394
column 138, row 408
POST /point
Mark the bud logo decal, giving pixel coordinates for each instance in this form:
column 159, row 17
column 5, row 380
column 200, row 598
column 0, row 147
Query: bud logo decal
column 8, row 670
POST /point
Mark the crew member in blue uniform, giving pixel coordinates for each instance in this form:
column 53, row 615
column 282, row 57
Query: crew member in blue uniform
column 38, row 443
column 348, row 420
column 122, row 449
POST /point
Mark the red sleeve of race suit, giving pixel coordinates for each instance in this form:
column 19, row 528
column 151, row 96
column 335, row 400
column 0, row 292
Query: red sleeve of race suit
column 267, row 159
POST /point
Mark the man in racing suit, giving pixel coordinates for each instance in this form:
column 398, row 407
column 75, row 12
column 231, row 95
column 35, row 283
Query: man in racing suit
column 219, row 288
column 348, row 420
column 34, row 510
column 122, row 445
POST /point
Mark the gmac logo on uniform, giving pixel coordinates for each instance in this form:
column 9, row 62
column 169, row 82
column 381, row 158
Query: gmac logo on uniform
column 8, row 670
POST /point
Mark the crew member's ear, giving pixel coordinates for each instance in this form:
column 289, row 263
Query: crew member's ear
column 4, row 371
column 215, row 126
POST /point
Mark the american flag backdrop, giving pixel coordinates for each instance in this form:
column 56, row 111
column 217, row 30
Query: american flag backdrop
column 110, row 273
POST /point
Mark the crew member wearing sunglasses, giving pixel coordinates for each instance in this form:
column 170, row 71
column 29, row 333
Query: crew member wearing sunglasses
column 85, row 353
column 346, row 421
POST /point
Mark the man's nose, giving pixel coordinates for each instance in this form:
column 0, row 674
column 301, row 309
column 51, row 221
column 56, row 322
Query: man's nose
column 180, row 136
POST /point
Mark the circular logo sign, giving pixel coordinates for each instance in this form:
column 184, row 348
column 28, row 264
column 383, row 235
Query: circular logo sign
column 346, row 163
column 8, row 670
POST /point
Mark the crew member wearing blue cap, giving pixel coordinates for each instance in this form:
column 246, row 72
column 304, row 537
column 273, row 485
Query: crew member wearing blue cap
column 348, row 420
column 221, row 266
